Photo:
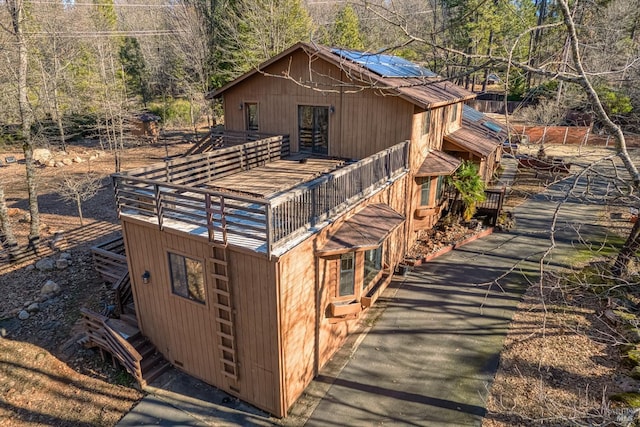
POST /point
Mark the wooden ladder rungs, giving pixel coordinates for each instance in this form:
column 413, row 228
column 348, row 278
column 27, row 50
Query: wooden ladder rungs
column 230, row 375
column 223, row 307
column 223, row 292
column 225, row 322
column 227, row 336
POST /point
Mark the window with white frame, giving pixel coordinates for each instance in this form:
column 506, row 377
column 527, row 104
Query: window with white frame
column 347, row 283
column 372, row 264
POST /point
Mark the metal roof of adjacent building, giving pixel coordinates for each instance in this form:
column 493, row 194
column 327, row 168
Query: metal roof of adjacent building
column 478, row 134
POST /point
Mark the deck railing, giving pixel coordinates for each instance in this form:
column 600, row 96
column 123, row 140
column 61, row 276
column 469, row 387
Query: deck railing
column 218, row 138
column 174, row 194
column 316, row 201
column 109, row 259
column 200, row 168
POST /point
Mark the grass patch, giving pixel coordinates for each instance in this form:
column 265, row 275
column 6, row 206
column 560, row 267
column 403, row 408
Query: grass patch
column 630, row 399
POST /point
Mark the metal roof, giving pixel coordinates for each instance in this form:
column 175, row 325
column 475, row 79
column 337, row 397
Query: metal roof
column 385, row 65
column 492, row 126
column 472, row 114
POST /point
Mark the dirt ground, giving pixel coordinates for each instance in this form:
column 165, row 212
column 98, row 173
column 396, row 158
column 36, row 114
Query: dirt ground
column 563, row 357
column 46, row 378
column 556, row 366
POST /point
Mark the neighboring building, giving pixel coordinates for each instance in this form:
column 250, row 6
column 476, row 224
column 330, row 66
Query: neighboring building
column 251, row 263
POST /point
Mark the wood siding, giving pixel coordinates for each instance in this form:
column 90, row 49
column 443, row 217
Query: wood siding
column 307, row 286
column 184, row 331
column 439, row 124
column 361, row 124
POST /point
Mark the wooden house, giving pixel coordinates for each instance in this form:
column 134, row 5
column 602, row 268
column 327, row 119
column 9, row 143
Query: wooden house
column 252, row 262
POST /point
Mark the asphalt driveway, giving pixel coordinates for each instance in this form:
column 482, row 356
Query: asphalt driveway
column 431, row 357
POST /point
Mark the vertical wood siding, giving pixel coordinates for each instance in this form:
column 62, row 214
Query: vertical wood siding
column 185, row 332
column 307, row 286
column 363, row 122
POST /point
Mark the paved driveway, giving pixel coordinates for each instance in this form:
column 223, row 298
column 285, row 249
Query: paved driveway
column 430, row 358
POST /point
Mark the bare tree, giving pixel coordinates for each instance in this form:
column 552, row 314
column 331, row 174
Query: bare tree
column 15, row 9
column 79, row 189
column 7, row 238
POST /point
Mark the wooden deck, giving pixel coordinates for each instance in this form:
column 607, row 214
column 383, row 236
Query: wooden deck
column 275, row 177
column 253, row 195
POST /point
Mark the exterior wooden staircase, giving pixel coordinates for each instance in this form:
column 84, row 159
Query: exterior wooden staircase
column 126, row 345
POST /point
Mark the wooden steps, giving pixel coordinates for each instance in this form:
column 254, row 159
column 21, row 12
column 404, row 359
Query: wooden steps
column 123, row 340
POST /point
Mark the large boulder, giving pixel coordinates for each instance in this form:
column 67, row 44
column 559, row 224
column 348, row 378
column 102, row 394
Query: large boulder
column 45, row 264
column 49, row 289
column 41, row 155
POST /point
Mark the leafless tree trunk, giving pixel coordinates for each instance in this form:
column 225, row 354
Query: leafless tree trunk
column 16, row 11
column 7, row 238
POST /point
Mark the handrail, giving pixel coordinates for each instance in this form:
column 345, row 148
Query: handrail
column 105, row 337
column 271, row 223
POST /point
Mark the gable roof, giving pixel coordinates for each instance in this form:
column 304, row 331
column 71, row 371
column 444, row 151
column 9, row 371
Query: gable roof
column 422, row 88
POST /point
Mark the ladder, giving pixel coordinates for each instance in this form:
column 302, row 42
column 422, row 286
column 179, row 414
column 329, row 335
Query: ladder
column 223, row 299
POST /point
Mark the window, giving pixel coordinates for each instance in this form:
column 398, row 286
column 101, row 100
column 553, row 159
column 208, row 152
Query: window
column 187, row 277
column 439, row 187
column 251, row 115
column 426, row 122
column 313, row 129
column 454, row 113
column 425, row 191
column 347, row 274
column 372, row 264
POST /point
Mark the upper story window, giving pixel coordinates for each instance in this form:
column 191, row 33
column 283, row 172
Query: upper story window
column 251, row 116
column 454, row 113
column 426, row 122
column 347, row 275
column 187, row 277
column 313, row 129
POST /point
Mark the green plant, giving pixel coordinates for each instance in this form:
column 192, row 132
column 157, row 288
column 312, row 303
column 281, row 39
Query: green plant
column 470, row 188
column 173, row 112
column 122, row 377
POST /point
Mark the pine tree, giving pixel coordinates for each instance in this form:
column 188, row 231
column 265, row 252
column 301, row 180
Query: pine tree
column 346, row 30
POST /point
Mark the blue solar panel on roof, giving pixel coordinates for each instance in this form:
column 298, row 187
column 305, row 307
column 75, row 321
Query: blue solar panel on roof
column 385, row 65
column 492, row 126
column 472, row 114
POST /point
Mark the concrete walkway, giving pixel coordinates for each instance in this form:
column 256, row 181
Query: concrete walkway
column 431, row 355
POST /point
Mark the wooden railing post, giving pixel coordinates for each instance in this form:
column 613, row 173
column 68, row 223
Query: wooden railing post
column 270, row 228
column 158, row 200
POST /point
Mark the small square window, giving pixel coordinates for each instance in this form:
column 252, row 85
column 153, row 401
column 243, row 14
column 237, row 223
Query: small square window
column 187, row 277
